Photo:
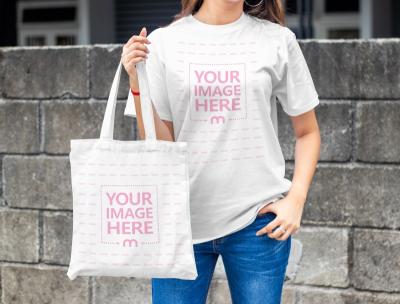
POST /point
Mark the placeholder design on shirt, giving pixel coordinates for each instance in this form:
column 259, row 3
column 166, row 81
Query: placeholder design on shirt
column 217, row 92
column 129, row 212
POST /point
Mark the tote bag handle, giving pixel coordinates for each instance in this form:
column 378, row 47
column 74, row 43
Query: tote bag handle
column 107, row 128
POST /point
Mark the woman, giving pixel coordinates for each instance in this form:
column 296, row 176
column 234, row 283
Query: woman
column 215, row 75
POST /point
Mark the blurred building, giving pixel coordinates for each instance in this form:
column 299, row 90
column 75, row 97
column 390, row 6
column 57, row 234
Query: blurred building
column 70, row 22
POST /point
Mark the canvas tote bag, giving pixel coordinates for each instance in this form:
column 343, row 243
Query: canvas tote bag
column 131, row 215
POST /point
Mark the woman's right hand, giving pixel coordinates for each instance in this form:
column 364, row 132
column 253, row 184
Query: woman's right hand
column 133, row 51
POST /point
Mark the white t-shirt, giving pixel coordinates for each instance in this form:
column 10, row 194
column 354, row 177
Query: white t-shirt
column 219, row 84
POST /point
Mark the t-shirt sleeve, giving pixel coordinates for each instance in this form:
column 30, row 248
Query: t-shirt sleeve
column 155, row 68
column 295, row 88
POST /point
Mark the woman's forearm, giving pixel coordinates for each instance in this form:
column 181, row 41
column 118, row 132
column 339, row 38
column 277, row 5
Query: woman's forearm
column 162, row 131
column 307, row 151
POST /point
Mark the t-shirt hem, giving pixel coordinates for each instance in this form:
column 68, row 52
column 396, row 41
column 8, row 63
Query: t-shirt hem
column 239, row 227
column 164, row 116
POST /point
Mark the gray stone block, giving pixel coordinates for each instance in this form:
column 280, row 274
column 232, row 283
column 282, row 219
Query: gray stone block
column 332, row 66
column 323, row 265
column 334, row 120
column 376, row 260
column 66, row 120
column 310, row 295
column 21, row 284
column 219, row 293
column 37, row 182
column 378, row 131
column 19, row 126
column 19, row 235
column 351, row 194
column 104, row 62
column 376, row 80
column 44, row 72
column 57, row 237
column 318, row 297
column 371, row 298
column 2, row 202
column 354, row 69
column 121, row 290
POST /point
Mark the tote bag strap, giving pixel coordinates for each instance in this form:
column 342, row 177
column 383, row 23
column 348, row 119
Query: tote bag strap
column 107, row 128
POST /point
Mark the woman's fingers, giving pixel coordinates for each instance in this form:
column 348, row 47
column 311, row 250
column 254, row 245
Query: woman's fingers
column 134, row 53
column 134, row 60
column 135, row 50
column 274, row 232
column 278, row 232
column 134, row 57
column 137, row 38
column 136, row 46
column 268, row 228
column 285, row 235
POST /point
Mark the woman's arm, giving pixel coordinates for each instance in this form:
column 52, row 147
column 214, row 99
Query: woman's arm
column 307, row 152
column 289, row 210
column 134, row 51
column 164, row 128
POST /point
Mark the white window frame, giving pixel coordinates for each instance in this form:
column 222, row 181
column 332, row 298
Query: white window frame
column 47, row 29
column 323, row 21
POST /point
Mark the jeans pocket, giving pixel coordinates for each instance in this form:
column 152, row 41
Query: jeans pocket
column 265, row 214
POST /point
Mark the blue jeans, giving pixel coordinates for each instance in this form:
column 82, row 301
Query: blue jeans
column 255, row 267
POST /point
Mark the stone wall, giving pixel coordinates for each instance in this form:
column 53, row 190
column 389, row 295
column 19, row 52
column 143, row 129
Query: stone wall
column 351, row 223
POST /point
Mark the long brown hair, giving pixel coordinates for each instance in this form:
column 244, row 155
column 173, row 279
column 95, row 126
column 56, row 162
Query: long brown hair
column 271, row 10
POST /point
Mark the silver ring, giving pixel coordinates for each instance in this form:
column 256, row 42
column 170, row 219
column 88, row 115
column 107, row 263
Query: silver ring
column 280, row 228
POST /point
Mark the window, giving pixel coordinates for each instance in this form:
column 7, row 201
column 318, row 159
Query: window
column 336, row 19
column 291, row 7
column 34, row 40
column 47, row 23
column 49, row 14
column 343, row 33
column 335, row 6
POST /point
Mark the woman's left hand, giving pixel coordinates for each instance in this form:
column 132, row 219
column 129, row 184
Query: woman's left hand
column 288, row 216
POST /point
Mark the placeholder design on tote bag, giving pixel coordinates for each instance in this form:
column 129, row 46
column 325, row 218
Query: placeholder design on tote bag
column 129, row 215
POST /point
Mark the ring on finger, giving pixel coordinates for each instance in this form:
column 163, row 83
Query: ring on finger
column 282, row 229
